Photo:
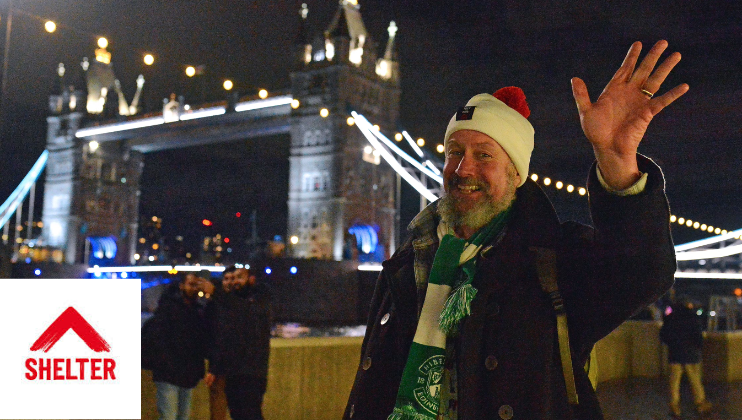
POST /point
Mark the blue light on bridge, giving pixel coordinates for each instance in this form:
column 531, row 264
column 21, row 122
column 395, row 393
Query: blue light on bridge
column 268, row 270
column 37, row 272
column 293, row 270
column 366, row 237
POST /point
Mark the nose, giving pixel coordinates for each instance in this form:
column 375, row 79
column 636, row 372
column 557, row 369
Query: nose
column 465, row 168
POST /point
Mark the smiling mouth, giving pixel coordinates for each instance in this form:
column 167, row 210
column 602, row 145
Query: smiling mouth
column 467, row 189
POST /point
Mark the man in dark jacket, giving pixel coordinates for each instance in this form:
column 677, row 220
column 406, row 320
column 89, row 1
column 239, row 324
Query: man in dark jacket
column 240, row 319
column 492, row 306
column 683, row 334
column 174, row 347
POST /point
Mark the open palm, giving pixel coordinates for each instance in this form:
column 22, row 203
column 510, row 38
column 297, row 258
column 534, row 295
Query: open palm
column 615, row 124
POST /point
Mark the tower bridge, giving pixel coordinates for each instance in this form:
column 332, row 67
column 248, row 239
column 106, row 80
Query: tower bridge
column 93, row 174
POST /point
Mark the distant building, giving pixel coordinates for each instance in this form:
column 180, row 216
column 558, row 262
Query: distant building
column 151, row 247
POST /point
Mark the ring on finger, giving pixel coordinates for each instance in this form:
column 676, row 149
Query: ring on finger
column 648, row 93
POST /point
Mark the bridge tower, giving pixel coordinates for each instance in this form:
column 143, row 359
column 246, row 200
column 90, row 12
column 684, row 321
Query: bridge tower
column 91, row 190
column 334, row 187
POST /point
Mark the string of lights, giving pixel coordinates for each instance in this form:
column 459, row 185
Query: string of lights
column 681, row 221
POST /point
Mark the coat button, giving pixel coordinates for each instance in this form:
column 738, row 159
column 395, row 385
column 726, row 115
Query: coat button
column 490, row 363
column 385, row 319
column 505, row 412
column 352, row 411
column 367, row 363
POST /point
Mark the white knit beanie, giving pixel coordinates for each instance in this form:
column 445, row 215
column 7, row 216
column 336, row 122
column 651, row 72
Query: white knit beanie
column 502, row 116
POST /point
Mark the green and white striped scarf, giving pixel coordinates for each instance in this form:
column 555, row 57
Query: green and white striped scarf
column 446, row 303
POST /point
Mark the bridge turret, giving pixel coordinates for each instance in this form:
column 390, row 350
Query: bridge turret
column 331, row 187
column 387, row 67
column 91, row 189
column 303, row 42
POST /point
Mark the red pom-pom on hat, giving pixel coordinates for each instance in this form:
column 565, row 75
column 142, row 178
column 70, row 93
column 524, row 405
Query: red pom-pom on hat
column 514, row 98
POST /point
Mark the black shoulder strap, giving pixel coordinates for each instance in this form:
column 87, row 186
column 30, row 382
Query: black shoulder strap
column 546, row 267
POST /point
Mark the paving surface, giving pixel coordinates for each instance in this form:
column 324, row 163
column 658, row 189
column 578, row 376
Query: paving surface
column 647, row 399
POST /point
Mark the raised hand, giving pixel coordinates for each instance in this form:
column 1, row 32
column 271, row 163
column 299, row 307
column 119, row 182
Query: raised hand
column 615, row 124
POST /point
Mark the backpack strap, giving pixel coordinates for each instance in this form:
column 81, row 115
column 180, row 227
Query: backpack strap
column 547, row 276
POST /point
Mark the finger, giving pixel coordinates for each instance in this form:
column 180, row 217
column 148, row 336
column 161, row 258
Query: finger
column 582, row 98
column 624, row 72
column 655, row 81
column 660, row 102
column 647, row 65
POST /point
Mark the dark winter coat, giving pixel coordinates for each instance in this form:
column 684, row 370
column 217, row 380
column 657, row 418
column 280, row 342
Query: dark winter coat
column 508, row 358
column 240, row 324
column 683, row 334
column 174, row 341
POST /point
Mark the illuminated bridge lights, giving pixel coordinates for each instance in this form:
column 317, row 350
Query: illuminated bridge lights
column 16, row 198
column 154, row 269
column 189, row 115
column 372, row 135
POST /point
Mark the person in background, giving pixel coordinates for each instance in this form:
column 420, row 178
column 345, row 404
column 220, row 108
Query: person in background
column 240, row 319
column 174, row 347
column 683, row 334
column 217, row 396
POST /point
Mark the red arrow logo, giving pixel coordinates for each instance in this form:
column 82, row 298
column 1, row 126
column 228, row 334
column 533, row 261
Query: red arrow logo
column 70, row 319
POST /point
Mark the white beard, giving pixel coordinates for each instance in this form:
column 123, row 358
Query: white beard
column 483, row 211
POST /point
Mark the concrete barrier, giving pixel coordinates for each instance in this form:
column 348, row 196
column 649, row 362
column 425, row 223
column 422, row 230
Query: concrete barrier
column 308, row 379
column 634, row 350
column 722, row 356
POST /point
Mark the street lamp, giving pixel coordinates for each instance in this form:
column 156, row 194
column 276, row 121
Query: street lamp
column 102, row 42
column 149, row 59
column 190, row 71
column 228, row 85
column 50, row 26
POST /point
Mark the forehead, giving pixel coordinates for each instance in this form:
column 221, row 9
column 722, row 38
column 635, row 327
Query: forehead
column 471, row 138
column 240, row 272
column 191, row 278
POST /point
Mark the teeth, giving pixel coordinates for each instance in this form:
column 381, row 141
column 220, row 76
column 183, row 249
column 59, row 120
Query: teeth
column 468, row 188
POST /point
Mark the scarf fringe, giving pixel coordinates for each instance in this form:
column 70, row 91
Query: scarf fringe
column 457, row 306
column 408, row 413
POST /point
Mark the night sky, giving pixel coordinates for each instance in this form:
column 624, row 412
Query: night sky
column 448, row 51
